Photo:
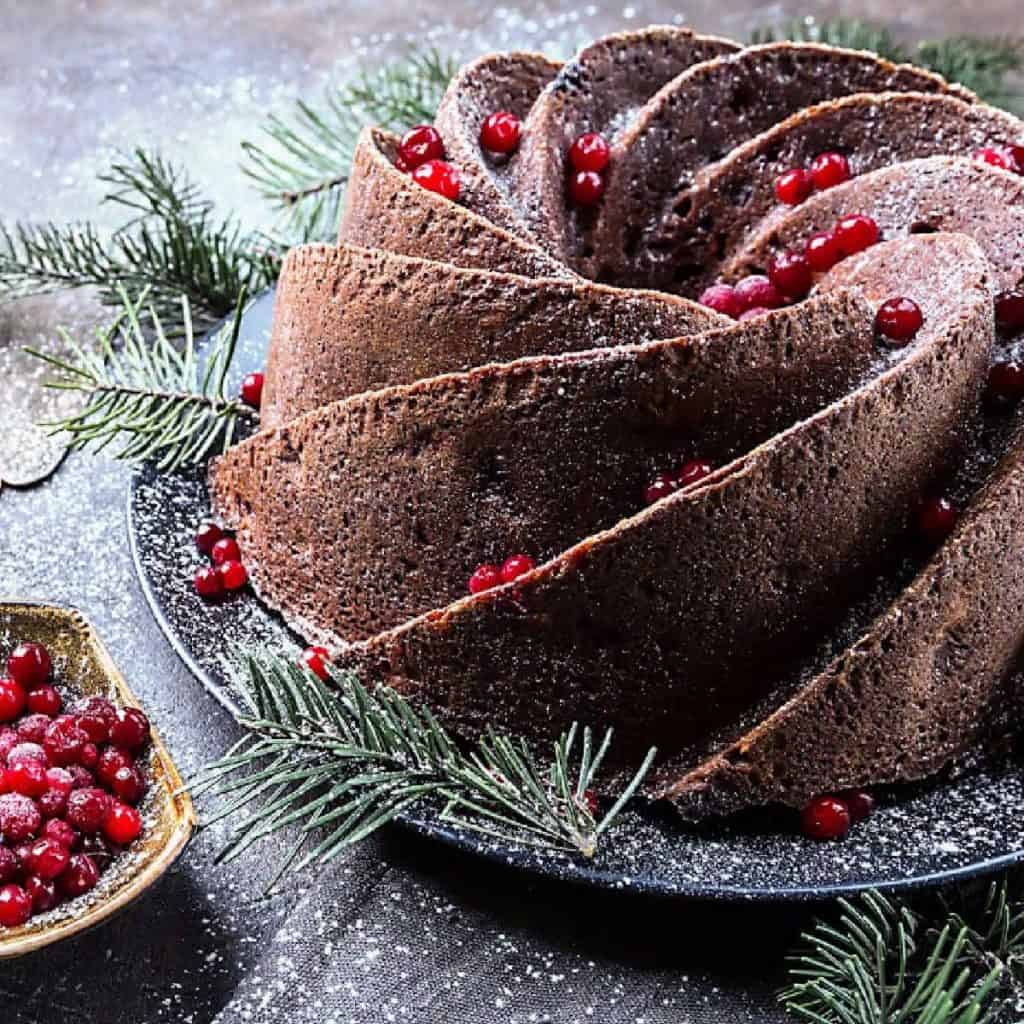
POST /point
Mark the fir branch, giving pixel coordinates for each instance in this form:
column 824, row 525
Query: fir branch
column 147, row 392
column 849, row 33
column 305, row 167
column 341, row 760
column 171, row 244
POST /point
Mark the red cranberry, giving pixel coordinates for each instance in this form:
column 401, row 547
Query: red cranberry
column 64, row 740
column 23, row 854
column 586, row 188
column 516, row 566
column 26, row 751
column 757, row 291
column 1006, row 381
column 316, row 659
column 750, row 314
column 722, row 299
column 48, row 858
column 419, row 145
column 27, row 778
column 485, row 577
column 95, row 715
column 693, row 471
column 855, row 233
column 12, row 700
column 60, row 831
column 997, row 157
column 590, row 152
column 45, row 701
column 87, row 808
column 829, row 169
column 500, row 132
column 122, row 824
column 206, row 536
column 43, row 894
column 19, row 817
column 9, row 739
column 89, row 756
column 859, row 802
column 660, row 487
column 936, row 518
column 8, row 865
column 791, row 274
column 112, row 759
column 252, row 389
column 52, row 803
column 128, row 785
column 60, row 779
column 439, row 176
column 226, row 550
column 81, row 875
column 130, row 729
column 208, row 584
column 898, row 320
column 29, row 665
column 15, row 906
column 793, row 187
column 232, row 575
column 1010, row 310
column 826, row 817
column 32, row 728
column 1017, row 152
column 822, row 251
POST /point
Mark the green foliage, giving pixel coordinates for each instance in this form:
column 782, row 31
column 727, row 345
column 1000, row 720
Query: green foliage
column 304, row 168
column 339, row 760
column 171, row 244
column 147, row 392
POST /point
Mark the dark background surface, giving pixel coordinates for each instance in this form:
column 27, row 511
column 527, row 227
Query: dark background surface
column 399, row 930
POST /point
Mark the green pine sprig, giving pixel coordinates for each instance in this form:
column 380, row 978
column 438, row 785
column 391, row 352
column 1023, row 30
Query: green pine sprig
column 303, row 167
column 338, row 760
column 147, row 392
column 171, row 244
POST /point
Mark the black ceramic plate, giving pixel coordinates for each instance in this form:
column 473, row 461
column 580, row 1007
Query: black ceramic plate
column 949, row 829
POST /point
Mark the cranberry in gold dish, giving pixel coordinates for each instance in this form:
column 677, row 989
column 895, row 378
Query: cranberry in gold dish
column 674, row 388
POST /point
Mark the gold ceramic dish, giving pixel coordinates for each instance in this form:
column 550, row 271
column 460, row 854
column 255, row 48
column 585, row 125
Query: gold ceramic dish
column 83, row 667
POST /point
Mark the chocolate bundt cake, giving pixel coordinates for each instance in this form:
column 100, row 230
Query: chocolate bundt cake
column 720, row 346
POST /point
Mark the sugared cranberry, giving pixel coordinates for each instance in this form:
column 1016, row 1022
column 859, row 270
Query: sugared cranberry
column 87, row 808
column 60, row 779
column 48, row 858
column 1010, row 310
column 692, row 471
column 859, row 802
column 19, row 817
column 81, row 777
column 23, row 853
column 12, row 700
column 722, row 299
column 590, row 152
column 822, row 251
column 89, row 756
column 755, row 291
column 26, row 750
column 9, row 739
column 95, row 715
column 32, row 728
column 130, row 729
column 128, row 785
column 81, row 875
column 64, row 740
column 898, row 320
column 112, row 759
column 750, row 314
column 316, row 659
column 252, row 389
column 419, row 145
column 15, row 906
column 485, row 577
column 997, row 157
column 45, row 701
column 826, row 817
column 226, row 550
column 855, row 233
column 500, row 132
column 208, row 584
column 514, row 567
column 586, row 188
column 43, row 894
column 232, row 575
column 829, row 169
column 61, row 832
column 29, row 665
column 8, row 865
column 52, row 803
column 936, row 518
column 660, row 487
column 793, row 187
column 206, row 536
column 439, row 176
column 122, row 824
column 27, row 778
column 1006, row 382
column 791, row 274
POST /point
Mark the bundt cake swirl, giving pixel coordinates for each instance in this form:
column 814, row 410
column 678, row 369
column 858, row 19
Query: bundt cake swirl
column 461, row 379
